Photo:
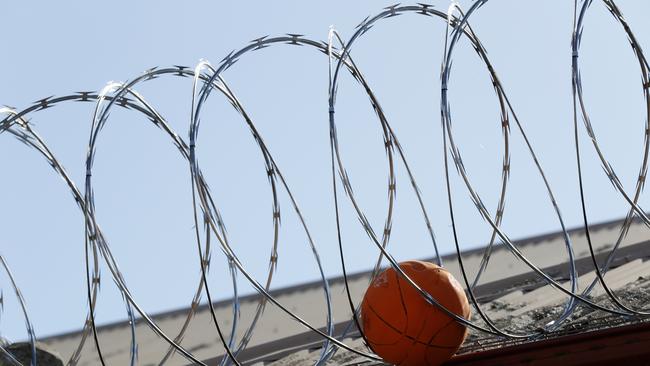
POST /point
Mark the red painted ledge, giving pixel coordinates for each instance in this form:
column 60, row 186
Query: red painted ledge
column 612, row 346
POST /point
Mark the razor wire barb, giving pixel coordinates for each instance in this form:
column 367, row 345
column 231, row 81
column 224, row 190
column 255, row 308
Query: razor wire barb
column 210, row 226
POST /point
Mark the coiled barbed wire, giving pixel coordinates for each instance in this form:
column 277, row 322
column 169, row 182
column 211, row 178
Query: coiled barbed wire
column 209, row 224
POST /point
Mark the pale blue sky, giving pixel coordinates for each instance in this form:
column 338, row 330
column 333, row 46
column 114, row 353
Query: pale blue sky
column 142, row 185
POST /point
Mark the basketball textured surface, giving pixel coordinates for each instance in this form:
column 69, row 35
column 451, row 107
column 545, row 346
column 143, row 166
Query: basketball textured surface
column 402, row 327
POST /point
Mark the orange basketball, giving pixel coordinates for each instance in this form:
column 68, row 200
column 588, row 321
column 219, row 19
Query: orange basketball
column 402, row 327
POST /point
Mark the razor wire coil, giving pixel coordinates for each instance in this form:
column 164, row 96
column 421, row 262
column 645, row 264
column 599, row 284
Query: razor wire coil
column 209, row 225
